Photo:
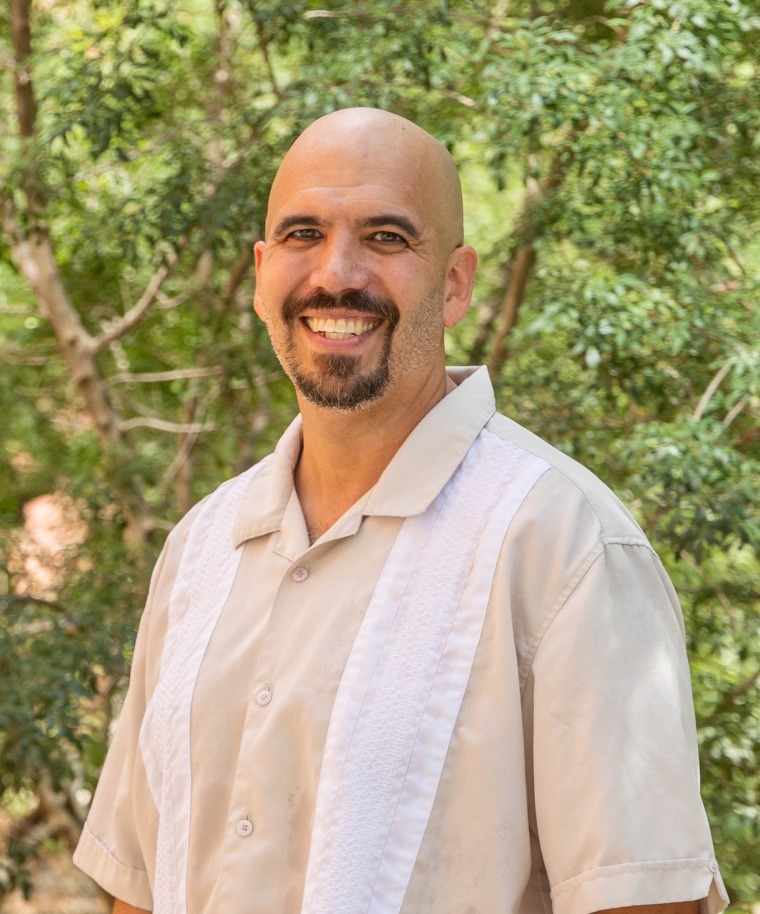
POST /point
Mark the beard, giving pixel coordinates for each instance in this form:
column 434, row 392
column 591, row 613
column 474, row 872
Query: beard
column 336, row 382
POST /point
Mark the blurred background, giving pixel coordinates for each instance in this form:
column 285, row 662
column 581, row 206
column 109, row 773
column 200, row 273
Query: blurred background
column 610, row 153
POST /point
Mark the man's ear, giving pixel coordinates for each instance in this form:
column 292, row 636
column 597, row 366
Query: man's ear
column 460, row 276
column 258, row 257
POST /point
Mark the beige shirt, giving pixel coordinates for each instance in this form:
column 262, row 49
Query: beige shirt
column 571, row 780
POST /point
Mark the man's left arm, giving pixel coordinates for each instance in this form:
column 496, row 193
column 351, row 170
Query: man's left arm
column 613, row 742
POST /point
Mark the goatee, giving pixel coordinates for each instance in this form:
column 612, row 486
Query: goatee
column 337, row 382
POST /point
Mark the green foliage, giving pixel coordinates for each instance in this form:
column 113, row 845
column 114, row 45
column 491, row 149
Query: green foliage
column 46, row 668
column 617, row 140
column 724, row 626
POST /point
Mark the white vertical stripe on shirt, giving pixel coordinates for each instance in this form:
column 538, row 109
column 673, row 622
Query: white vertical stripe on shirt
column 403, row 685
column 204, row 579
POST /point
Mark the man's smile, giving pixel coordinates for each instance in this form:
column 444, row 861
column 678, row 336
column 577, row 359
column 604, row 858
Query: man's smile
column 341, row 328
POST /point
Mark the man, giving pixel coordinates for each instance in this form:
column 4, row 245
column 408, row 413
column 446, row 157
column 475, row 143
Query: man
column 417, row 660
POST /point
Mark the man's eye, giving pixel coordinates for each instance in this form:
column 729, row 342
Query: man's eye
column 389, row 238
column 305, row 234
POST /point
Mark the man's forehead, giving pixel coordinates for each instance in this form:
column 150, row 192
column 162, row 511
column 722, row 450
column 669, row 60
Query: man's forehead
column 328, row 203
column 336, row 179
column 375, row 157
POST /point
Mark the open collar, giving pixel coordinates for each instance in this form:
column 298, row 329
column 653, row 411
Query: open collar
column 414, row 477
column 427, row 459
column 271, row 488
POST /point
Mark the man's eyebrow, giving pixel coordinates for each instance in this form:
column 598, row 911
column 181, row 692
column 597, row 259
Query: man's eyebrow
column 298, row 219
column 401, row 222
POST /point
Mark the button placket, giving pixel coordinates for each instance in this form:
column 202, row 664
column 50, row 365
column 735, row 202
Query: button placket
column 261, row 696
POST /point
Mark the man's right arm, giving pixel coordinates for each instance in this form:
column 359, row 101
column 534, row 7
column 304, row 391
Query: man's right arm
column 121, row 907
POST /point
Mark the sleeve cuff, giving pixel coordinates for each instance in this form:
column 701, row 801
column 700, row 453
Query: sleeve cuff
column 123, row 882
column 654, row 882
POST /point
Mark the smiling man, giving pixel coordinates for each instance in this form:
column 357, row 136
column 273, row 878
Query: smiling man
column 416, row 660
column 364, row 227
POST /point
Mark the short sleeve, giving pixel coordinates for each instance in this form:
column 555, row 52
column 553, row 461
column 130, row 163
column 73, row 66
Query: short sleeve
column 618, row 812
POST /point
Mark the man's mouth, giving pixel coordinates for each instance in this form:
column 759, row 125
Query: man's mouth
column 340, row 328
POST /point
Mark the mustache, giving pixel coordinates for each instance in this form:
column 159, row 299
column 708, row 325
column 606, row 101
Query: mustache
column 353, row 299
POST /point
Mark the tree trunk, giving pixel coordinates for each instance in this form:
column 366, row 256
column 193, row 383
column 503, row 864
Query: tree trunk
column 33, row 251
column 36, row 262
column 523, row 257
column 21, row 39
column 521, row 266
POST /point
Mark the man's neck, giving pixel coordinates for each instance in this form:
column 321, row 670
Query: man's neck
column 345, row 452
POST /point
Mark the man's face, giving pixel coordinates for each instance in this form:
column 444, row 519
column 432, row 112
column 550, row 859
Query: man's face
column 352, row 280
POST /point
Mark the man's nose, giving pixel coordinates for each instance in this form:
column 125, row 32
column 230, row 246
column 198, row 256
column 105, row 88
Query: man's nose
column 340, row 268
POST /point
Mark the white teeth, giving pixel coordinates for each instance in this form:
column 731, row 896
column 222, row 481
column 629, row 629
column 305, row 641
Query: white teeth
column 340, row 329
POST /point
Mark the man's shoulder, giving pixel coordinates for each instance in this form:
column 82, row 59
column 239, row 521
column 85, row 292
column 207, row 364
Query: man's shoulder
column 202, row 513
column 567, row 524
column 214, row 500
column 568, row 491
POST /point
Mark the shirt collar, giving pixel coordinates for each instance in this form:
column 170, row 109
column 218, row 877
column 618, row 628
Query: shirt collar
column 414, row 477
column 426, row 460
column 268, row 494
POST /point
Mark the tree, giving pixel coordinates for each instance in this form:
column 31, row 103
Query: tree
column 610, row 153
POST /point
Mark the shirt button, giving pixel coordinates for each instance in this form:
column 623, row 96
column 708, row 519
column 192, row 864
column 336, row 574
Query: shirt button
column 299, row 574
column 712, row 866
column 264, row 697
column 244, row 827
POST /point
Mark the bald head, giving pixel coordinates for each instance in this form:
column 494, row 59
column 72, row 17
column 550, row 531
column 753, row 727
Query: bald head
column 364, row 222
column 367, row 146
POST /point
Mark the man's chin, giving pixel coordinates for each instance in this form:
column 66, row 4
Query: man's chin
column 352, row 393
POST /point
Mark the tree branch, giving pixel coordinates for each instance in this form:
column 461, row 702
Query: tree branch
column 734, row 412
column 264, row 46
column 19, row 357
column 331, row 14
column 166, row 304
column 710, row 391
column 162, row 425
column 153, row 377
column 118, row 328
column 461, row 99
column 238, row 273
column 181, row 465
column 37, row 264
